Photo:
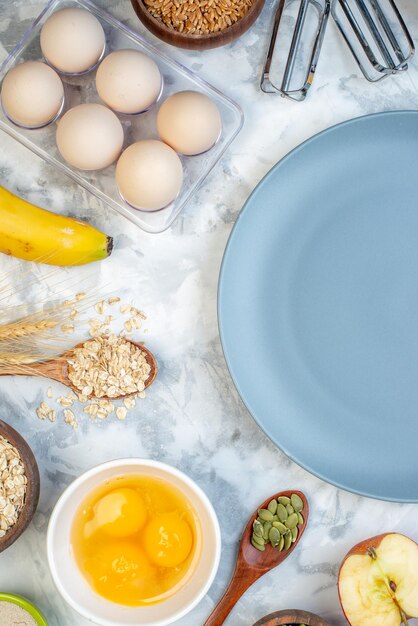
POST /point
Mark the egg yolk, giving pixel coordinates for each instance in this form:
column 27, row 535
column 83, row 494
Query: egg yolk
column 136, row 540
column 120, row 513
column 168, row 540
column 119, row 570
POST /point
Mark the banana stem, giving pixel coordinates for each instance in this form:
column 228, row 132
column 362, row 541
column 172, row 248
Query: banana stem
column 404, row 618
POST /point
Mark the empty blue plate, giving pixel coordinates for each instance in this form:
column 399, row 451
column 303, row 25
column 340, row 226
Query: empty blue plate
column 318, row 305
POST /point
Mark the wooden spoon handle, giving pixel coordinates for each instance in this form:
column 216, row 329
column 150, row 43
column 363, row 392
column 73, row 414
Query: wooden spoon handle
column 240, row 582
column 25, row 370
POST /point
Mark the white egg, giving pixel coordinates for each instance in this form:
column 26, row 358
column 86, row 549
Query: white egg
column 189, row 122
column 72, row 40
column 149, row 175
column 128, row 81
column 89, row 136
column 32, row 94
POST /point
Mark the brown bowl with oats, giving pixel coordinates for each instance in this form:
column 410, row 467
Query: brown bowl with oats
column 19, row 485
column 209, row 24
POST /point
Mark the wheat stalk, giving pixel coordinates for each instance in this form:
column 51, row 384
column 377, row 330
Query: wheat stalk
column 17, row 330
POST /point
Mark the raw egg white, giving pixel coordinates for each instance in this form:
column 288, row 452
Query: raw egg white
column 128, row 81
column 149, row 175
column 32, row 94
column 72, row 40
column 89, row 136
column 189, row 122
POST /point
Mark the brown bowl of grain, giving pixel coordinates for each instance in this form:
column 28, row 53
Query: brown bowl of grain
column 198, row 25
column 19, row 485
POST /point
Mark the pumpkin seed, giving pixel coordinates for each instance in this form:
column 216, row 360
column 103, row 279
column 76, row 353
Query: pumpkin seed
column 259, row 540
column 280, row 527
column 274, row 537
column 281, row 512
column 292, row 521
column 296, row 502
column 272, row 507
column 265, row 515
column 278, row 523
column 266, row 530
column 258, row 546
column 258, row 528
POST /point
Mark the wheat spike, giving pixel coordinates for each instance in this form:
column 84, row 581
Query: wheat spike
column 17, row 330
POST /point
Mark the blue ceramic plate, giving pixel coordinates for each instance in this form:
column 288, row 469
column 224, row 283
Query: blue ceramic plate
column 318, row 305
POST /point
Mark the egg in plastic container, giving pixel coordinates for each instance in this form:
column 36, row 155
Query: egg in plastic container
column 81, row 88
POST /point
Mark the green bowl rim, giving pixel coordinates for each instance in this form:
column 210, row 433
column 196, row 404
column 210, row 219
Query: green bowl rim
column 24, row 604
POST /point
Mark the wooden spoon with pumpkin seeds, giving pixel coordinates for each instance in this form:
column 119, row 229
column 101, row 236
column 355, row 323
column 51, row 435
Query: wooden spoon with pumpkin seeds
column 257, row 558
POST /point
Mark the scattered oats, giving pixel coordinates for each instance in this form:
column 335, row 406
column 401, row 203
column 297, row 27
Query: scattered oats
column 128, row 326
column 40, row 413
column 121, row 412
column 70, row 418
column 108, row 319
column 80, row 296
column 125, row 308
column 49, row 392
column 100, row 307
column 91, row 409
column 45, row 407
column 136, row 321
column 73, row 314
column 142, row 395
column 133, row 311
column 52, row 415
column 67, row 328
column 67, row 303
column 82, row 398
column 129, row 402
column 72, row 396
column 63, row 401
column 13, row 483
column 142, row 315
column 101, row 414
column 113, row 300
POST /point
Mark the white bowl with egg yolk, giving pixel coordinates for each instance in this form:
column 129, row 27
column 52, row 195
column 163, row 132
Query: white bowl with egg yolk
column 73, row 586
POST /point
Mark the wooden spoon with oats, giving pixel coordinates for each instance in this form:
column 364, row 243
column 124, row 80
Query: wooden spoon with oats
column 111, row 372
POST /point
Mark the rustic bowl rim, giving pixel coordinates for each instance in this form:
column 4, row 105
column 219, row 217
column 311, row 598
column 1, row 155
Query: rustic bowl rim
column 306, row 617
column 176, row 38
column 33, row 485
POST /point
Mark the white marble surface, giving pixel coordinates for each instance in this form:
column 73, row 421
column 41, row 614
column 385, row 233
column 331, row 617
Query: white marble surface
column 193, row 417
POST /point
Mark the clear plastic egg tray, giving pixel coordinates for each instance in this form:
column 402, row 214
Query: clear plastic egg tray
column 80, row 89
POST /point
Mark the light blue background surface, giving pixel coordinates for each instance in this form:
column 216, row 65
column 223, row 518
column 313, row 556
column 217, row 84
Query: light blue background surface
column 193, row 417
column 319, row 305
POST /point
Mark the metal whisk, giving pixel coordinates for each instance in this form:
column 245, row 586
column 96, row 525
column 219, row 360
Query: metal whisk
column 373, row 29
column 376, row 35
column 296, row 49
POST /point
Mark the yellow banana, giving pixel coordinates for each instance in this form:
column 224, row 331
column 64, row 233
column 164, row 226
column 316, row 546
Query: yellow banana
column 34, row 234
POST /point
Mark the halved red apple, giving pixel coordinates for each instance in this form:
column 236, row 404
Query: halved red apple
column 378, row 581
